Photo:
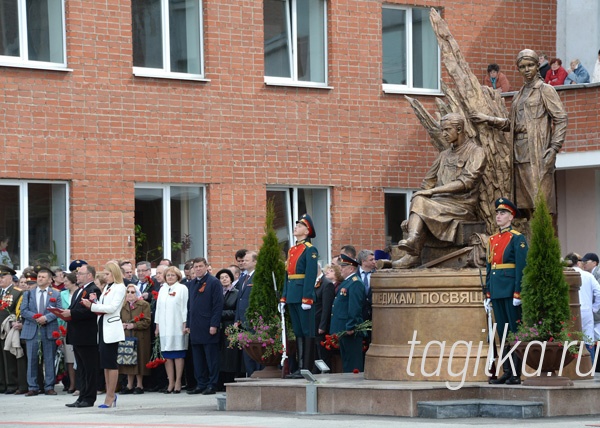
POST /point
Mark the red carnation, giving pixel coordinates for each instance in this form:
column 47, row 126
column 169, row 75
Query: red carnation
column 55, row 334
column 136, row 319
column 52, row 299
column 355, row 371
column 141, row 315
column 58, row 342
column 154, row 294
column 62, row 329
column 36, row 316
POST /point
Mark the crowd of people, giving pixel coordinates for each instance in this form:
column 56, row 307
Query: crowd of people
column 552, row 72
column 68, row 326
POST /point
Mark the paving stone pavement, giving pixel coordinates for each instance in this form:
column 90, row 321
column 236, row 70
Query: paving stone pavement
column 183, row 411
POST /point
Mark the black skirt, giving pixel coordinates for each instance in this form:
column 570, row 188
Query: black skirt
column 108, row 351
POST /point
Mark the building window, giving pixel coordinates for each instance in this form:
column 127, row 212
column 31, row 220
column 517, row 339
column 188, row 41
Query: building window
column 170, row 223
column 33, row 219
column 291, row 204
column 397, row 209
column 411, row 59
column 32, row 33
column 167, row 38
column 295, row 41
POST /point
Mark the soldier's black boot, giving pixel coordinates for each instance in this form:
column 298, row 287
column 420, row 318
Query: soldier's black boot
column 300, row 356
column 309, row 354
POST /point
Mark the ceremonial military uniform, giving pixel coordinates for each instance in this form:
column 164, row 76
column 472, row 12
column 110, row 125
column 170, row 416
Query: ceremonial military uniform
column 507, row 254
column 10, row 298
column 299, row 289
column 346, row 314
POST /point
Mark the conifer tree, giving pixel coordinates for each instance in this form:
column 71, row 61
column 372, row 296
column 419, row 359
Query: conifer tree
column 263, row 299
column 545, row 292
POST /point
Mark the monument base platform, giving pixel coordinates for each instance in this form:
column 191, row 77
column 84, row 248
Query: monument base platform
column 352, row 394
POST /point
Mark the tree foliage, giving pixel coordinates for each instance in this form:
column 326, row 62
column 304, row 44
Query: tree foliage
column 263, row 299
column 545, row 292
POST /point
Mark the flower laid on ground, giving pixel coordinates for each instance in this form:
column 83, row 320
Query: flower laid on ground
column 332, row 341
column 265, row 332
column 156, row 359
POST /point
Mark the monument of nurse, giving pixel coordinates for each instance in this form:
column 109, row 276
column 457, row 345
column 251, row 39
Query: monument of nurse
column 430, row 324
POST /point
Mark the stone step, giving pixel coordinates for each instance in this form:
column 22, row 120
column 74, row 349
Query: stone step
column 480, row 408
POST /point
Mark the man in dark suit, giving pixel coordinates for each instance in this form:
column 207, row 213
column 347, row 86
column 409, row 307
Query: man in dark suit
column 39, row 325
column 205, row 308
column 347, row 314
column 507, row 254
column 82, row 333
column 324, row 295
column 9, row 297
column 244, row 286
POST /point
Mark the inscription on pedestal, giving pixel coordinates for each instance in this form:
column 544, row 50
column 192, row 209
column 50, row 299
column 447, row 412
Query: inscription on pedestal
column 427, row 298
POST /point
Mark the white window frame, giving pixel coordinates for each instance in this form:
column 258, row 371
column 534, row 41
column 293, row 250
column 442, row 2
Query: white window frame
column 166, row 226
column 324, row 253
column 293, row 44
column 165, row 72
column 23, row 61
column 389, row 88
column 23, row 186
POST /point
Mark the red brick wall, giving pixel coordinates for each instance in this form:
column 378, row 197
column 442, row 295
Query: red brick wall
column 104, row 129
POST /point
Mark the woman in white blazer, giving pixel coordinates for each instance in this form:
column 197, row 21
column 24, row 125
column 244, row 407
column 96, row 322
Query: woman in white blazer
column 110, row 328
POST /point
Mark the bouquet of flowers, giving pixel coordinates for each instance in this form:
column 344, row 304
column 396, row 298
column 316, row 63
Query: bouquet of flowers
column 332, row 341
column 156, row 359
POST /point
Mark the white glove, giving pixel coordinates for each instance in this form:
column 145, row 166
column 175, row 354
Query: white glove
column 305, row 307
column 516, row 302
column 487, row 305
column 281, row 307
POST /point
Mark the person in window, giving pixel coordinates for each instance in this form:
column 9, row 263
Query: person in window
column 135, row 316
column 557, row 74
column 496, row 79
column 4, row 256
column 170, row 319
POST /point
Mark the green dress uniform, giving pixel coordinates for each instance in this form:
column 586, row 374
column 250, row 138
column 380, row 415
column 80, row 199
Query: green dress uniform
column 507, row 253
column 346, row 314
column 299, row 287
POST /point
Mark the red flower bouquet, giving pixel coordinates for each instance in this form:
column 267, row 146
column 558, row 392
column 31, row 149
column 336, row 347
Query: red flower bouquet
column 156, row 359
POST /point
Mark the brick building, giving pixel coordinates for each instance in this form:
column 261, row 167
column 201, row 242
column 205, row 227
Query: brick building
column 182, row 117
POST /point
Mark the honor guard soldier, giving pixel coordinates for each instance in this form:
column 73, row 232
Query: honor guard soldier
column 507, row 253
column 347, row 313
column 299, row 292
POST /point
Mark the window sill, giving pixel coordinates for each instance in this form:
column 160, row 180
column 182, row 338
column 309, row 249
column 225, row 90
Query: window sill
column 399, row 89
column 269, row 81
column 160, row 74
column 36, row 66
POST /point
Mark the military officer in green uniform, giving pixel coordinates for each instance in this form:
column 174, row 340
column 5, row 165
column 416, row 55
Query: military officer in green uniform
column 346, row 314
column 507, row 253
column 9, row 300
column 299, row 292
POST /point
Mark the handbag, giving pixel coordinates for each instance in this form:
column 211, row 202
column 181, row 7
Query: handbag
column 127, row 352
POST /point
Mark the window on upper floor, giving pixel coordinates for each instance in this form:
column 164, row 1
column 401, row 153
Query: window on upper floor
column 33, row 223
column 32, row 34
column 411, row 59
column 295, row 42
column 170, row 223
column 167, row 38
column 290, row 204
